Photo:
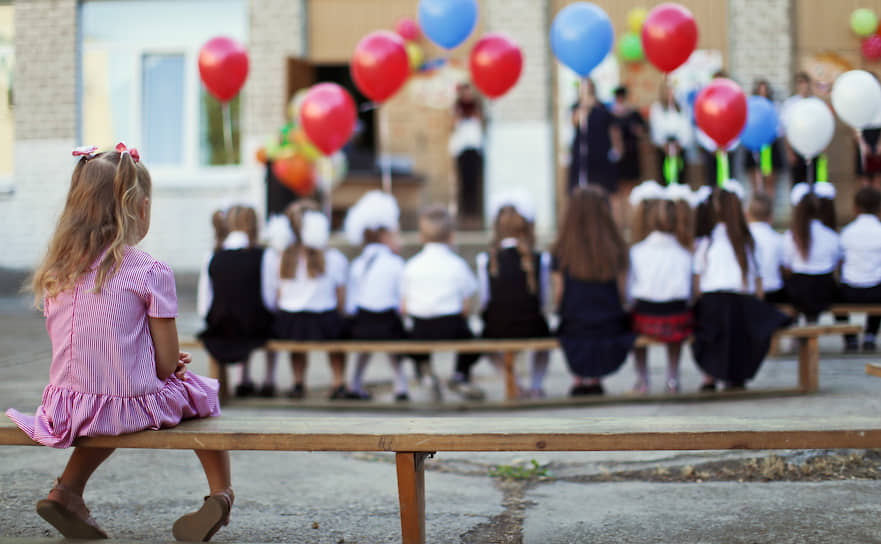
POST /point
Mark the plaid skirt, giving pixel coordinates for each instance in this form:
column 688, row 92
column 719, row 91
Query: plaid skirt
column 668, row 322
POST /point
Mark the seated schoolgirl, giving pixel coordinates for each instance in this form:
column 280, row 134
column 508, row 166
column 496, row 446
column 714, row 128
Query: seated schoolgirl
column 811, row 254
column 514, row 279
column 733, row 327
column 311, row 294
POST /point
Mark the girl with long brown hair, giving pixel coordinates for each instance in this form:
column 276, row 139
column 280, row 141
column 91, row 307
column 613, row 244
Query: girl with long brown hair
column 236, row 297
column 116, row 368
column 733, row 327
column 812, row 253
column 513, row 279
column 660, row 287
column 312, row 294
column 590, row 274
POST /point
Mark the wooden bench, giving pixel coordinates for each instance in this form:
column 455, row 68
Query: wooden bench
column 873, row 369
column 413, row 440
column 808, row 351
column 837, row 309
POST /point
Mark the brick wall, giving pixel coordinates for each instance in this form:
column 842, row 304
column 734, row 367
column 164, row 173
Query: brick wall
column 761, row 43
column 276, row 32
column 45, row 69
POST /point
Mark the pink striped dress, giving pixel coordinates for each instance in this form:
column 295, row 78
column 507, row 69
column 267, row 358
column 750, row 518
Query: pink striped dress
column 103, row 375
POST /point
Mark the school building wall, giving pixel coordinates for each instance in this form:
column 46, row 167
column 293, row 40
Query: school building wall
column 769, row 38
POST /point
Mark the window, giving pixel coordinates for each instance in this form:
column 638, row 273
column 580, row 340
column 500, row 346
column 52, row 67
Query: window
column 140, row 81
column 7, row 117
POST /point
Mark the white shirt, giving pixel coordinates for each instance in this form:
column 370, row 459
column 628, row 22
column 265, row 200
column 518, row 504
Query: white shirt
column 377, row 288
column 769, row 254
column 660, row 269
column 861, row 242
column 824, row 254
column 669, row 123
column 436, row 282
column 544, row 273
column 318, row 294
column 268, row 275
column 716, row 263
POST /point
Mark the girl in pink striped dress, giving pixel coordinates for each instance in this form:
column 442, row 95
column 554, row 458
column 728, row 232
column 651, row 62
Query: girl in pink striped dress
column 116, row 366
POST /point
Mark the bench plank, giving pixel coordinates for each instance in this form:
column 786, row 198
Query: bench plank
column 493, row 434
column 873, row 369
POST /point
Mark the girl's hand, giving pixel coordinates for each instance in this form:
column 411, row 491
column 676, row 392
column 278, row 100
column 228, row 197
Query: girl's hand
column 183, row 360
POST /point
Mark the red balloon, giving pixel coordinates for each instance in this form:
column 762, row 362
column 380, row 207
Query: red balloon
column 408, row 29
column 669, row 35
column 295, row 173
column 871, row 47
column 720, row 111
column 223, row 66
column 380, row 65
column 496, row 63
column 327, row 115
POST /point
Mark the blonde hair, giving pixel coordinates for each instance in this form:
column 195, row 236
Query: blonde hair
column 510, row 224
column 243, row 218
column 435, row 224
column 102, row 214
column 290, row 257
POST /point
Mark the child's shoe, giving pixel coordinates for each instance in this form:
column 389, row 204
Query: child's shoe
column 641, row 387
column 201, row 525
column 869, row 343
column 67, row 512
column 673, row 386
column 466, row 389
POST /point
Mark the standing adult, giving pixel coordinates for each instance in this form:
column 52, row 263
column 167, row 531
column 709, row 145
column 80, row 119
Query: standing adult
column 761, row 182
column 868, row 152
column 466, row 145
column 633, row 128
column 597, row 146
column 671, row 134
column 798, row 166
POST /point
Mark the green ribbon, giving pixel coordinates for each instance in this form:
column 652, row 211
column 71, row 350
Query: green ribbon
column 766, row 162
column 822, row 168
column 722, row 171
column 672, row 167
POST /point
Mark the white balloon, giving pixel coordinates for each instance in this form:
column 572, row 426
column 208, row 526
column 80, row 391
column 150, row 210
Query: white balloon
column 856, row 97
column 809, row 127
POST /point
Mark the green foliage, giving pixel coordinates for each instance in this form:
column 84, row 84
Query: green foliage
column 513, row 472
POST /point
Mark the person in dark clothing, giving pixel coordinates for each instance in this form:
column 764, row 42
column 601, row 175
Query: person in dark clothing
column 597, row 146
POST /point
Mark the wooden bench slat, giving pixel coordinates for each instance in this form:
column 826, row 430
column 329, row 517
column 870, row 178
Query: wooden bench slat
column 873, row 369
column 838, row 309
column 494, row 434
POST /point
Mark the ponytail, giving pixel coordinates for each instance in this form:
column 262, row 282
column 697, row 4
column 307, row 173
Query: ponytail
column 510, row 224
column 805, row 211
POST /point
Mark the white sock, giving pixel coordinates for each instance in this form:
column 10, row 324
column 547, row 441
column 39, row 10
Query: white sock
column 402, row 385
column 540, row 362
column 358, row 376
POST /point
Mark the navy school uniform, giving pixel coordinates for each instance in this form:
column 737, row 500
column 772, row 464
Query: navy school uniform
column 594, row 329
column 733, row 328
column 861, row 271
column 308, row 308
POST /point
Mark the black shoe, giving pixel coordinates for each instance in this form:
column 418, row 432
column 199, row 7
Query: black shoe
column 341, row 393
column 267, row 391
column 584, row 390
column 869, row 347
column 736, row 386
column 245, row 389
column 402, row 397
column 296, row 392
column 708, row 387
column 359, row 395
column 852, row 346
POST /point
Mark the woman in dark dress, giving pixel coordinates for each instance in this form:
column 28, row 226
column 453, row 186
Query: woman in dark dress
column 590, row 274
column 752, row 161
column 597, row 146
column 466, row 145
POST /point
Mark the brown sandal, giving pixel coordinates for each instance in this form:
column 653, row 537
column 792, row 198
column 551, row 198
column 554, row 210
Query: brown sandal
column 201, row 525
column 67, row 512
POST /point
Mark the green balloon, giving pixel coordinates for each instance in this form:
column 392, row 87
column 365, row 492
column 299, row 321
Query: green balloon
column 630, row 47
column 863, row 22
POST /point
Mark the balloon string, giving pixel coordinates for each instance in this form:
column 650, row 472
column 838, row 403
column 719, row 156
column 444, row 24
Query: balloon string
column 582, row 142
column 822, row 168
column 385, row 158
column 765, row 161
column 227, row 131
column 722, row 174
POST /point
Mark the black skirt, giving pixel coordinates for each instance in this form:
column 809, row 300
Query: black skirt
column 447, row 327
column 231, row 350
column 777, row 297
column 749, row 159
column 518, row 326
column 309, row 326
column 812, row 293
column 367, row 325
column 733, row 333
column 860, row 295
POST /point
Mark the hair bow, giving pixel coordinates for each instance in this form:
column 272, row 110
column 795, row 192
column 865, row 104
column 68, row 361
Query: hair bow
column 133, row 152
column 87, row 151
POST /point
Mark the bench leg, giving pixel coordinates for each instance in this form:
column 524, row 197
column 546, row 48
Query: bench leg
column 218, row 372
column 512, row 392
column 809, row 364
column 411, row 495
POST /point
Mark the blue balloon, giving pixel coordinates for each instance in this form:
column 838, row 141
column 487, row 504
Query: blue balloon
column 447, row 23
column 761, row 123
column 582, row 36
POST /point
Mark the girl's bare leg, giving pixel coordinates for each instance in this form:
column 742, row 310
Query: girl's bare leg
column 216, row 466
column 338, row 369
column 640, row 361
column 540, row 361
column 82, row 464
column 674, row 351
column 298, row 365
